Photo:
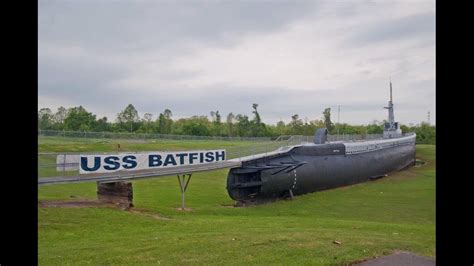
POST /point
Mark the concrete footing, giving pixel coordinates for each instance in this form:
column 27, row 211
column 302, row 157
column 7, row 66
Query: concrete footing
column 118, row 193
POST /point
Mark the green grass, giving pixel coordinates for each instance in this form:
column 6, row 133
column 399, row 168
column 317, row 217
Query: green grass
column 370, row 219
column 57, row 144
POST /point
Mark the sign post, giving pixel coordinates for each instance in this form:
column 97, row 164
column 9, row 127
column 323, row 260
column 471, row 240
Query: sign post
column 183, row 187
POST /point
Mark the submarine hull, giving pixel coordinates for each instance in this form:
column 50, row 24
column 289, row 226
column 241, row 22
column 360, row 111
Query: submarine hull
column 306, row 169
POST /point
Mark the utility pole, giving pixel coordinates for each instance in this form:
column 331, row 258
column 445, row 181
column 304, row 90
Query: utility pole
column 281, row 128
column 338, row 119
column 338, row 113
column 338, row 116
column 429, row 123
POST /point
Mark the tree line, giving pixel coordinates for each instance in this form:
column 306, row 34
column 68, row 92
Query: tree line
column 234, row 125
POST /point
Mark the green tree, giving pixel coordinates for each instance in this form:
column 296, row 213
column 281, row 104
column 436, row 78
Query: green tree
column 230, row 124
column 404, row 128
column 79, row 118
column 310, row 128
column 167, row 113
column 425, row 133
column 59, row 117
column 146, row 124
column 216, row 117
column 281, row 128
column 257, row 115
column 216, row 123
column 165, row 122
column 327, row 119
column 128, row 116
column 102, row 125
column 161, row 123
column 147, row 117
column 196, row 126
column 374, row 128
column 258, row 128
column 243, row 125
column 295, row 125
column 45, row 118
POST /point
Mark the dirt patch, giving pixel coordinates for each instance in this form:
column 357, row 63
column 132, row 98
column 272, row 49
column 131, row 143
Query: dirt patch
column 411, row 173
column 419, row 163
column 82, row 203
column 88, row 203
column 148, row 214
column 185, row 209
column 228, row 205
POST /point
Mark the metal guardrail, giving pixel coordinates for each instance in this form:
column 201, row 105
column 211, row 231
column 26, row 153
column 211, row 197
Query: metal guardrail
column 121, row 176
column 354, row 137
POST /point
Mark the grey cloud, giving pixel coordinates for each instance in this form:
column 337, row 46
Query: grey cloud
column 128, row 26
column 395, row 29
column 59, row 77
column 110, row 30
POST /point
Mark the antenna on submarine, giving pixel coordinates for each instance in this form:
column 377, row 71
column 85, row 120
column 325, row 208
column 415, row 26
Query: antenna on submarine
column 391, row 119
column 390, row 78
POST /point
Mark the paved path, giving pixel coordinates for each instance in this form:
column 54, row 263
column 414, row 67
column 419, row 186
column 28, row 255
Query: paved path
column 399, row 258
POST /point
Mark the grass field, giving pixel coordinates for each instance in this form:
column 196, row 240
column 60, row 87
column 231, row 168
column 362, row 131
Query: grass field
column 58, row 144
column 369, row 219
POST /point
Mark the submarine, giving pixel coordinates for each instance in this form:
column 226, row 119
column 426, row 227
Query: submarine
column 310, row 167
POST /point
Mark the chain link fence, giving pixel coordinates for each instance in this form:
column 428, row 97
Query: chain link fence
column 136, row 136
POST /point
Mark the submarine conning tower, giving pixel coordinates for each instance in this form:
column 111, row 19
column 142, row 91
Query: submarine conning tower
column 391, row 128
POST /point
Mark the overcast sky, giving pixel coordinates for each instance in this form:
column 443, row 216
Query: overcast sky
column 290, row 57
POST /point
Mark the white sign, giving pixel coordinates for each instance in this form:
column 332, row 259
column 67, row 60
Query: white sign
column 108, row 163
column 67, row 162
